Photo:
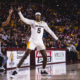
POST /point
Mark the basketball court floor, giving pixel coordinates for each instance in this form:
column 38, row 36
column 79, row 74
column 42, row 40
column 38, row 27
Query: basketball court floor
column 56, row 72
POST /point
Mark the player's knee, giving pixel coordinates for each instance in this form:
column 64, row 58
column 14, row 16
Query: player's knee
column 44, row 54
column 29, row 51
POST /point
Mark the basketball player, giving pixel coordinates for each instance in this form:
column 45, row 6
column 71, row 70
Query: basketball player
column 35, row 41
column 1, row 55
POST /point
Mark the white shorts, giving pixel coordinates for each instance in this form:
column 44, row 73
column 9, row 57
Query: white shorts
column 36, row 44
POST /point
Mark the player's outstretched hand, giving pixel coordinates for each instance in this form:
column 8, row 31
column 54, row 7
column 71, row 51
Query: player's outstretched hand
column 10, row 11
column 19, row 8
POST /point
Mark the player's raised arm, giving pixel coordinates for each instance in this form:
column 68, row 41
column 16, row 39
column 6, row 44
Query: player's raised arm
column 8, row 18
column 50, row 32
column 25, row 20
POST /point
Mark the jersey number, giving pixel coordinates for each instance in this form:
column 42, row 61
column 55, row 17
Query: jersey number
column 39, row 30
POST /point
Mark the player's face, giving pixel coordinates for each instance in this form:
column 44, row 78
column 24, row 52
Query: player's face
column 38, row 17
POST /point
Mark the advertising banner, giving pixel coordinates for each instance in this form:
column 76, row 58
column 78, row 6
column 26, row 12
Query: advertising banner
column 52, row 56
column 14, row 57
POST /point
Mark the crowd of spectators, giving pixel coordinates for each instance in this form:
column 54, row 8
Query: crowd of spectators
column 16, row 34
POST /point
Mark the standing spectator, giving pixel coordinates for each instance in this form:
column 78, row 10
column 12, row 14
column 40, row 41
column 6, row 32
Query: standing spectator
column 4, row 24
column 71, row 52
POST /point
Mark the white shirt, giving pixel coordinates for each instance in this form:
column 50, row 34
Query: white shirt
column 37, row 28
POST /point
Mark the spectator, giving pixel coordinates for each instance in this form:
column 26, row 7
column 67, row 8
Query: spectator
column 71, row 52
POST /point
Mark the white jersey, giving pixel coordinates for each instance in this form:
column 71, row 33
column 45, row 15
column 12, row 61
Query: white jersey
column 37, row 28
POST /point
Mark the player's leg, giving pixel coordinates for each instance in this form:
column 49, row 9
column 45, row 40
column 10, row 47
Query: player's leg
column 42, row 49
column 44, row 55
column 30, row 46
column 27, row 52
